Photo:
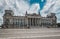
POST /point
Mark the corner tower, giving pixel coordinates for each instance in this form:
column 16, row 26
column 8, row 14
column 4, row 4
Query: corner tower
column 6, row 18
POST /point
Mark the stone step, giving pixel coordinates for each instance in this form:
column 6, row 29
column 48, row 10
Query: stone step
column 25, row 33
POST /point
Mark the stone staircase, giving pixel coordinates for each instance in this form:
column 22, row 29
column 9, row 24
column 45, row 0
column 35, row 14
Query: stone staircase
column 26, row 33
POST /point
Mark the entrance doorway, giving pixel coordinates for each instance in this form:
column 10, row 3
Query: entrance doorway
column 33, row 22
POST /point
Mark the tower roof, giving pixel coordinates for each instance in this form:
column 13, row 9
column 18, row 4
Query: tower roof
column 9, row 12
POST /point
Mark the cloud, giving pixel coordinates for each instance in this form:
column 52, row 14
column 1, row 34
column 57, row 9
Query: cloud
column 18, row 6
column 34, row 8
column 47, row 8
column 21, row 6
column 42, row 0
column 52, row 6
column 1, row 18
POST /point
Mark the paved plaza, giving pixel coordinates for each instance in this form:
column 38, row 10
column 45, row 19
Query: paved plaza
column 40, row 33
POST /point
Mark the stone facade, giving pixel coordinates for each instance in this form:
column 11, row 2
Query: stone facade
column 28, row 21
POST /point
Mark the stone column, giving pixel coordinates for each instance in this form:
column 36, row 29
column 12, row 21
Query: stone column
column 35, row 22
column 19, row 24
column 27, row 22
column 14, row 23
column 42, row 23
column 30, row 22
column 23, row 23
column 39, row 21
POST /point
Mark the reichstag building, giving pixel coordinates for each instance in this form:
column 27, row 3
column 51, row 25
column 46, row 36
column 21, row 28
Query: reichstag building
column 28, row 21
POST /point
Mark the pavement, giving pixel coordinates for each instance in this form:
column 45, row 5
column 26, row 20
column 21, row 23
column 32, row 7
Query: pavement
column 40, row 33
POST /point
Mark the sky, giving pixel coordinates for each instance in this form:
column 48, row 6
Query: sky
column 31, row 6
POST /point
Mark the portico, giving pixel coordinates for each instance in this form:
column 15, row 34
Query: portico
column 33, row 21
